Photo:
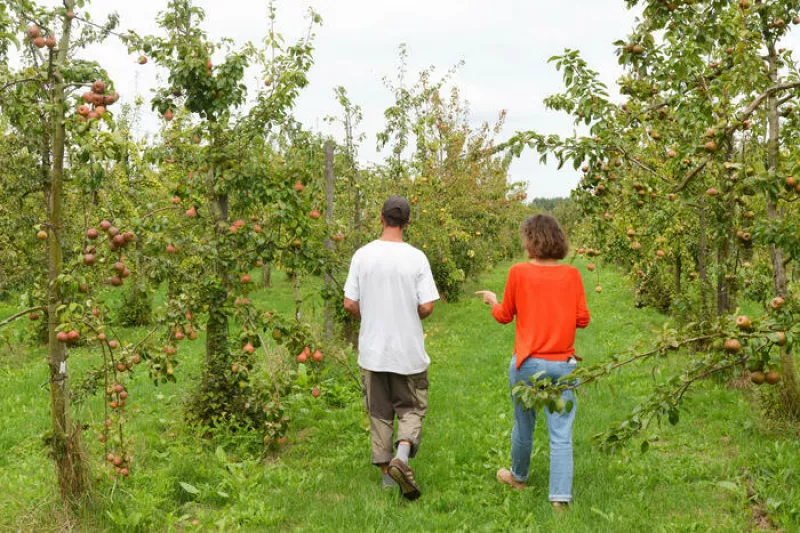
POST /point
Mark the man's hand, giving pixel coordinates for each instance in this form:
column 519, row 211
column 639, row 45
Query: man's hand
column 488, row 297
column 352, row 307
column 425, row 310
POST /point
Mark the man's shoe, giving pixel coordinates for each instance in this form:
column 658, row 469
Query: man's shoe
column 506, row 477
column 404, row 476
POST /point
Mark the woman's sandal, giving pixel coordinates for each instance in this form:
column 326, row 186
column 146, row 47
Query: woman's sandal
column 506, row 477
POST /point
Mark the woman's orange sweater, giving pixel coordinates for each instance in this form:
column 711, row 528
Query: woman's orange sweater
column 549, row 303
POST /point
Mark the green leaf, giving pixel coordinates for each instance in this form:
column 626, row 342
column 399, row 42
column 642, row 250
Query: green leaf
column 674, row 417
column 220, row 453
column 728, row 485
column 191, row 489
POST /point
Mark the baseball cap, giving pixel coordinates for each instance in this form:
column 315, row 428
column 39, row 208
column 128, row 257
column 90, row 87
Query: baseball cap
column 396, row 211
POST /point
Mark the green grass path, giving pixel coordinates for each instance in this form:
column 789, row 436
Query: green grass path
column 694, row 478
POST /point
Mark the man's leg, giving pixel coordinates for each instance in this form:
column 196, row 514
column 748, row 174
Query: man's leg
column 410, row 401
column 377, row 401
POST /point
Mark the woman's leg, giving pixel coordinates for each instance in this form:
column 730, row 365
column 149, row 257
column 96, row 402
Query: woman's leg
column 524, row 423
column 559, row 427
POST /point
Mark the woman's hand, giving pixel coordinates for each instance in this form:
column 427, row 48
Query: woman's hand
column 488, row 297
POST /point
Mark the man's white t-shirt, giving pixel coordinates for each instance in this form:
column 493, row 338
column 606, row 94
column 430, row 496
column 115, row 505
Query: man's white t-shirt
column 390, row 280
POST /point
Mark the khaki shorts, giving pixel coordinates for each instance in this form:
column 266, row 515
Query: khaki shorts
column 386, row 396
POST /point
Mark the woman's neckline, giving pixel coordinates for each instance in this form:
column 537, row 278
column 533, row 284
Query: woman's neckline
column 545, row 266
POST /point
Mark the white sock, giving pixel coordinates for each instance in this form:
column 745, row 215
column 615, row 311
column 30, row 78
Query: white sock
column 403, row 450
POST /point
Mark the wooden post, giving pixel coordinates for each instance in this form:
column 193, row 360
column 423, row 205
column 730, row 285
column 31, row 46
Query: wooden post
column 329, row 189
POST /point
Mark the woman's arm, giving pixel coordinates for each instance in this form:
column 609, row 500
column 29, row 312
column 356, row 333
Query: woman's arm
column 502, row 312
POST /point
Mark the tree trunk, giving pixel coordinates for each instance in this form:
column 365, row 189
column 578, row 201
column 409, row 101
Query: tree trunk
column 65, row 439
column 266, row 275
column 702, row 270
column 722, row 281
column 356, row 211
column 678, row 273
column 217, row 326
column 791, row 382
column 329, row 189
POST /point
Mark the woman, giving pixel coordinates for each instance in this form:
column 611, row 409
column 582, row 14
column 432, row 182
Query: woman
column 549, row 303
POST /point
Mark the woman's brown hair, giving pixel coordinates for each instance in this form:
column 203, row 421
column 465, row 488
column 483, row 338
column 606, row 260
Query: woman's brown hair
column 544, row 238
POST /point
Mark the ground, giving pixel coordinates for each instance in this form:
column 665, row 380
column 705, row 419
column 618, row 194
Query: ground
column 724, row 467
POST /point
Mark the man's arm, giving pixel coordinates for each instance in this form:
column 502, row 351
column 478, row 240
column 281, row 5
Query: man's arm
column 425, row 310
column 352, row 307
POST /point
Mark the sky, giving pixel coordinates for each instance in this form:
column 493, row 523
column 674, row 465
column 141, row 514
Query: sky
column 504, row 44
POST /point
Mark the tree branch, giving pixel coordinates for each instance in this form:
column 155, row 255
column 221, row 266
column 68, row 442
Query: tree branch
column 20, row 314
column 15, row 82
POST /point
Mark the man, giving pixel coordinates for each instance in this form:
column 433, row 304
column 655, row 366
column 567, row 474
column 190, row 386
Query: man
column 390, row 288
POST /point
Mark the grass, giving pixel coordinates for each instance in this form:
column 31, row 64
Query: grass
column 723, row 468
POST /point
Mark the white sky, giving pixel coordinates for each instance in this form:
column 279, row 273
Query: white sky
column 505, row 45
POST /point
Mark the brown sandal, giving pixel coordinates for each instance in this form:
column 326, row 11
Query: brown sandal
column 506, row 477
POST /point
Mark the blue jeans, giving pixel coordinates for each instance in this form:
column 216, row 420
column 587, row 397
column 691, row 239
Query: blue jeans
column 558, row 425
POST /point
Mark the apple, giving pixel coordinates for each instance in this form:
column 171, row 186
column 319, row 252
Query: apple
column 743, row 322
column 73, row 336
column 113, row 344
column 168, row 115
column 317, row 356
column 590, row 267
column 315, row 393
column 104, row 225
column 299, row 186
column 89, row 259
column 758, row 377
column 41, row 235
column 191, row 212
column 732, row 345
column 315, row 214
column 776, row 303
column 248, row 348
column 142, row 60
column 62, row 336
column 34, row 31
column 171, row 248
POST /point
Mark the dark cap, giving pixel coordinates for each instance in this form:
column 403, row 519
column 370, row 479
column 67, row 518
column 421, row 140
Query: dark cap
column 396, row 211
